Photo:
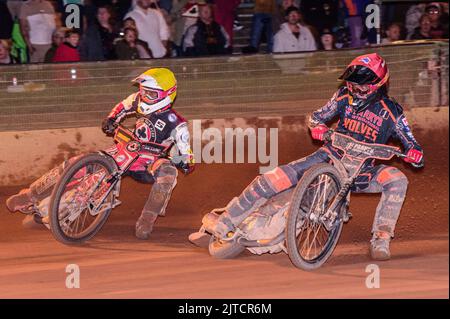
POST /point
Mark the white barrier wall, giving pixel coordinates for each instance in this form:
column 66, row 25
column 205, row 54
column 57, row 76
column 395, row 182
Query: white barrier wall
column 26, row 155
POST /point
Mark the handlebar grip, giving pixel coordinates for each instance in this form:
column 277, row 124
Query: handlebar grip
column 327, row 135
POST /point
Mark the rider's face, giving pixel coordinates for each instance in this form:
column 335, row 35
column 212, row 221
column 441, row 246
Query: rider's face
column 358, row 90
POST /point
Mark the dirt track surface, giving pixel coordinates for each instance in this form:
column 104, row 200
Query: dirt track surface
column 116, row 265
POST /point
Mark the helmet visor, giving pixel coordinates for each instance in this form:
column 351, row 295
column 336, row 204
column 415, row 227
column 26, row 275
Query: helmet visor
column 359, row 75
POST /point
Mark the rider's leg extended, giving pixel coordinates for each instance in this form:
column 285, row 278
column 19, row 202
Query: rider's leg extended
column 261, row 189
column 38, row 190
column 392, row 184
column 165, row 175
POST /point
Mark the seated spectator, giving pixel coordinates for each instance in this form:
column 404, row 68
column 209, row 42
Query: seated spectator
column 206, row 37
column 423, row 31
column 393, row 33
column 327, row 40
column 279, row 16
column 293, row 37
column 264, row 11
column 98, row 40
column 68, row 50
column 129, row 48
column 439, row 27
column 413, row 16
column 5, row 56
column 57, row 39
column 184, row 15
column 151, row 26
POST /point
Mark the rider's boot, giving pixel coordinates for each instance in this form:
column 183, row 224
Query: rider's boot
column 254, row 196
column 166, row 180
column 20, row 202
column 379, row 246
column 144, row 225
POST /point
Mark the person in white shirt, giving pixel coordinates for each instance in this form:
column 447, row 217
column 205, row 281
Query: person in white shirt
column 293, row 36
column 37, row 22
column 152, row 27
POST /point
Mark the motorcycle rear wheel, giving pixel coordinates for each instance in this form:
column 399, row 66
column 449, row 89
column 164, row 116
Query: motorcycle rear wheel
column 322, row 183
column 57, row 222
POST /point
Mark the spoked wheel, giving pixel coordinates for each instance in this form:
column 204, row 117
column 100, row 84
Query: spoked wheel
column 82, row 199
column 309, row 242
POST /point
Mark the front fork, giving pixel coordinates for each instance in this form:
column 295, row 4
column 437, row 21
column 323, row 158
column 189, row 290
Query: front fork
column 342, row 198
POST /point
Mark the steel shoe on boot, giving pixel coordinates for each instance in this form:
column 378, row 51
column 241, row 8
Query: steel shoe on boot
column 218, row 225
column 144, row 225
column 20, row 202
column 379, row 246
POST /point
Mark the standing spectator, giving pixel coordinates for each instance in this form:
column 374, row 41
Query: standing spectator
column 262, row 20
column 439, row 27
column 206, row 37
column 57, row 39
column 393, row 33
column 423, row 31
column 327, row 40
column 129, row 48
column 293, row 37
column 224, row 13
column 355, row 10
column 5, row 57
column 37, row 22
column 68, row 50
column 98, row 41
column 151, row 26
column 6, row 24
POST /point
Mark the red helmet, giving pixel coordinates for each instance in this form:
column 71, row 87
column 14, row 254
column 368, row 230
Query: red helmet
column 365, row 76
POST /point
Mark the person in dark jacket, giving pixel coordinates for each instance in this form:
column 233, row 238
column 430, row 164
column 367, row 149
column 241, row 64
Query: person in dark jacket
column 98, row 40
column 206, row 37
column 129, row 48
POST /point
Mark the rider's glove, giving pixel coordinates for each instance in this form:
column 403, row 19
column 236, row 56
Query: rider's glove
column 185, row 163
column 108, row 125
column 414, row 156
column 319, row 131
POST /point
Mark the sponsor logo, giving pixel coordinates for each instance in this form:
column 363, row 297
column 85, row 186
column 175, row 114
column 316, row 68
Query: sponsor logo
column 359, row 148
column 133, row 146
column 365, row 60
column 160, row 125
column 172, row 118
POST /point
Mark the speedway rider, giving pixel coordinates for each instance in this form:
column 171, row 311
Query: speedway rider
column 367, row 114
column 156, row 122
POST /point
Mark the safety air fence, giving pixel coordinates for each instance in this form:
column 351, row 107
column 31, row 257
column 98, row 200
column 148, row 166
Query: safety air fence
column 48, row 96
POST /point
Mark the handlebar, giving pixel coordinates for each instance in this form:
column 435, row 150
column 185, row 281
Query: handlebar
column 328, row 138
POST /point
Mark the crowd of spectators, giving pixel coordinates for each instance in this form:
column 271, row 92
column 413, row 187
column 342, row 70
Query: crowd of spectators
column 37, row 31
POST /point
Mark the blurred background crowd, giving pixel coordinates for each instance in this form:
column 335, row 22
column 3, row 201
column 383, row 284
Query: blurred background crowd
column 37, row 31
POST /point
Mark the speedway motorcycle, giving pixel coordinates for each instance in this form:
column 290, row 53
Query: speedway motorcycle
column 306, row 221
column 88, row 188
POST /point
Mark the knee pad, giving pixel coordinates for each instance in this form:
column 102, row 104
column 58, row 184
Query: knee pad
column 393, row 179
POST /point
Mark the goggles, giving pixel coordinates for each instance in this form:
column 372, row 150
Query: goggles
column 151, row 96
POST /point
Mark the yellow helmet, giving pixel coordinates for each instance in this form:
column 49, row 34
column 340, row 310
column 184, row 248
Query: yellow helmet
column 157, row 88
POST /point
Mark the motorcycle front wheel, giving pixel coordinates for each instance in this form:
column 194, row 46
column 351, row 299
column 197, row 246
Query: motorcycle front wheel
column 309, row 243
column 82, row 199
